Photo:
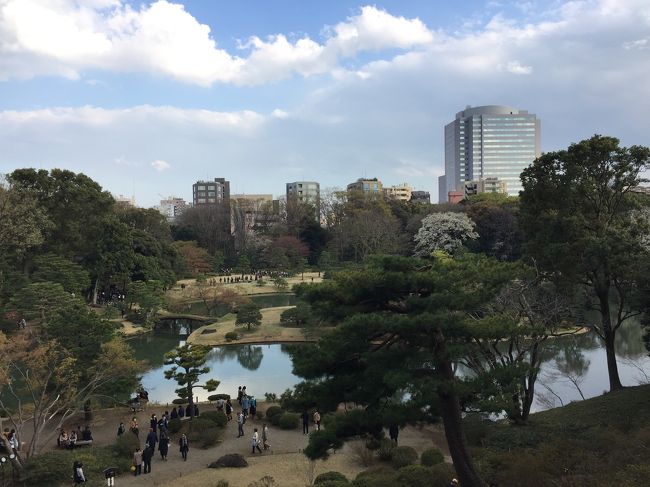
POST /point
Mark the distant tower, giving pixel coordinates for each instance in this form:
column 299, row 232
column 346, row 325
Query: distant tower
column 491, row 141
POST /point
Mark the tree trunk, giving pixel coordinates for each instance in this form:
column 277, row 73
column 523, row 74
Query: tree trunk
column 95, row 291
column 609, row 335
column 450, row 412
column 190, row 398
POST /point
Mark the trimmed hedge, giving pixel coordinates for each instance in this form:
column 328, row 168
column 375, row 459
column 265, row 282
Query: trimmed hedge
column 287, row 421
column 331, row 476
column 174, row 425
column 441, row 474
column 231, row 335
column 431, row 457
column 401, row 456
column 273, row 411
column 414, row 475
column 385, row 450
column 381, row 476
column 217, row 417
column 126, row 444
column 180, row 401
column 216, row 397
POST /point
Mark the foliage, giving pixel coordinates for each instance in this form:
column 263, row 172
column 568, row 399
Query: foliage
column 216, row 397
column 53, row 268
column 280, row 283
column 385, row 450
column 431, row 457
column 174, row 425
column 362, row 454
column 42, row 469
column 402, row 456
column 149, row 297
column 217, row 417
column 23, row 223
column 443, row 231
column 194, row 260
column 231, row 335
column 441, row 474
column 273, row 411
column 266, row 481
column 270, row 397
column 187, row 365
column 330, row 476
column 40, row 299
column 578, row 215
column 249, row 314
column 376, row 477
column 414, row 475
column 126, row 444
column 288, row 421
column 231, row 460
column 297, row 316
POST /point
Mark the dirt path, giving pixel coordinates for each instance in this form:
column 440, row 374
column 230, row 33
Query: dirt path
column 284, row 461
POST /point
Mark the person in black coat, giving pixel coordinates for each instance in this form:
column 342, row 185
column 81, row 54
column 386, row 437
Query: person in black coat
column 152, row 438
column 147, row 455
column 184, row 446
column 78, row 473
column 163, row 446
column 173, row 414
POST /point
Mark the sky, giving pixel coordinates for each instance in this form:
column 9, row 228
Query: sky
column 149, row 97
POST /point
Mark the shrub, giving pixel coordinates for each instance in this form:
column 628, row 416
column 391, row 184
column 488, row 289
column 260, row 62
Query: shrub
column 414, row 475
column 475, row 427
column 216, row 397
column 373, row 443
column 335, row 483
column 362, row 454
column 111, row 312
column 288, row 421
column 401, row 456
column 231, row 335
column 126, row 444
column 197, row 424
column 441, row 474
column 270, row 397
column 231, row 460
column 44, row 468
column 217, row 417
column 174, row 425
column 385, row 450
column 180, row 401
column 331, row 475
column 222, row 483
column 431, row 457
column 376, row 477
column 273, row 411
column 209, row 436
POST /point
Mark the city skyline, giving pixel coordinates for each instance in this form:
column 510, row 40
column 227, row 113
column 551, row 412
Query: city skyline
column 326, row 93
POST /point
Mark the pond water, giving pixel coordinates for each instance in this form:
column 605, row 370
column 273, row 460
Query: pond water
column 262, row 300
column 261, row 368
column 571, row 363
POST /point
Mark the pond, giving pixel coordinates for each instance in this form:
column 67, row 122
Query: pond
column 572, row 365
column 262, row 300
column 261, row 368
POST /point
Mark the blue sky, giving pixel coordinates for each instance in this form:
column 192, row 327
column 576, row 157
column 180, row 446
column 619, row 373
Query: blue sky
column 147, row 97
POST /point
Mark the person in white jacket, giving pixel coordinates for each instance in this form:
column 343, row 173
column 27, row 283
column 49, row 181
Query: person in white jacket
column 255, row 442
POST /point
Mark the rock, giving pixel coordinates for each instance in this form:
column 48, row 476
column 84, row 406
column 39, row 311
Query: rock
column 232, row 460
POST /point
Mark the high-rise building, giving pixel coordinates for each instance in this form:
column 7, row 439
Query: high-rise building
column 491, row 141
column 487, row 185
column 211, row 192
column 366, row 185
column 420, row 197
column 172, row 207
column 400, row 192
column 304, row 192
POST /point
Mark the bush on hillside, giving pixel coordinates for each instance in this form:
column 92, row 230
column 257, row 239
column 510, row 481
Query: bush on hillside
column 330, row 476
column 231, row 460
column 219, row 418
column 216, row 397
column 126, row 444
column 441, row 474
column 180, row 400
column 287, row 421
column 231, row 335
column 385, row 450
column 431, row 457
column 273, row 411
column 174, row 425
column 414, row 475
column 401, row 456
column 382, row 476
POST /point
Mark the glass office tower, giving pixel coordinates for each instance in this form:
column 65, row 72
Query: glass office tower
column 491, row 141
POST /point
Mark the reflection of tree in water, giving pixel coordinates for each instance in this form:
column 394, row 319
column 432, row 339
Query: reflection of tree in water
column 221, row 354
column 249, row 356
column 629, row 340
column 569, row 365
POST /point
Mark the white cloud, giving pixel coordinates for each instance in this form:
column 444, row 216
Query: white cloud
column 637, row 44
column 160, row 165
column 515, row 67
column 68, row 37
column 277, row 113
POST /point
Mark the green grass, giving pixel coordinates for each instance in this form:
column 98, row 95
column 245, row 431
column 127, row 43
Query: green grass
column 598, row 442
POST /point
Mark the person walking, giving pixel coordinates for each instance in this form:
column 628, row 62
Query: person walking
column 184, row 446
column 163, row 446
column 255, row 441
column 239, row 395
column 152, row 438
column 229, row 410
column 137, row 462
column 317, row 420
column 134, row 427
column 305, row 422
column 78, row 473
column 265, row 437
column 245, row 404
column 240, row 424
column 147, row 455
column 153, row 422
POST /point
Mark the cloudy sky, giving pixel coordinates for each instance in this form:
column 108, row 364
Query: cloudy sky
column 148, row 97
